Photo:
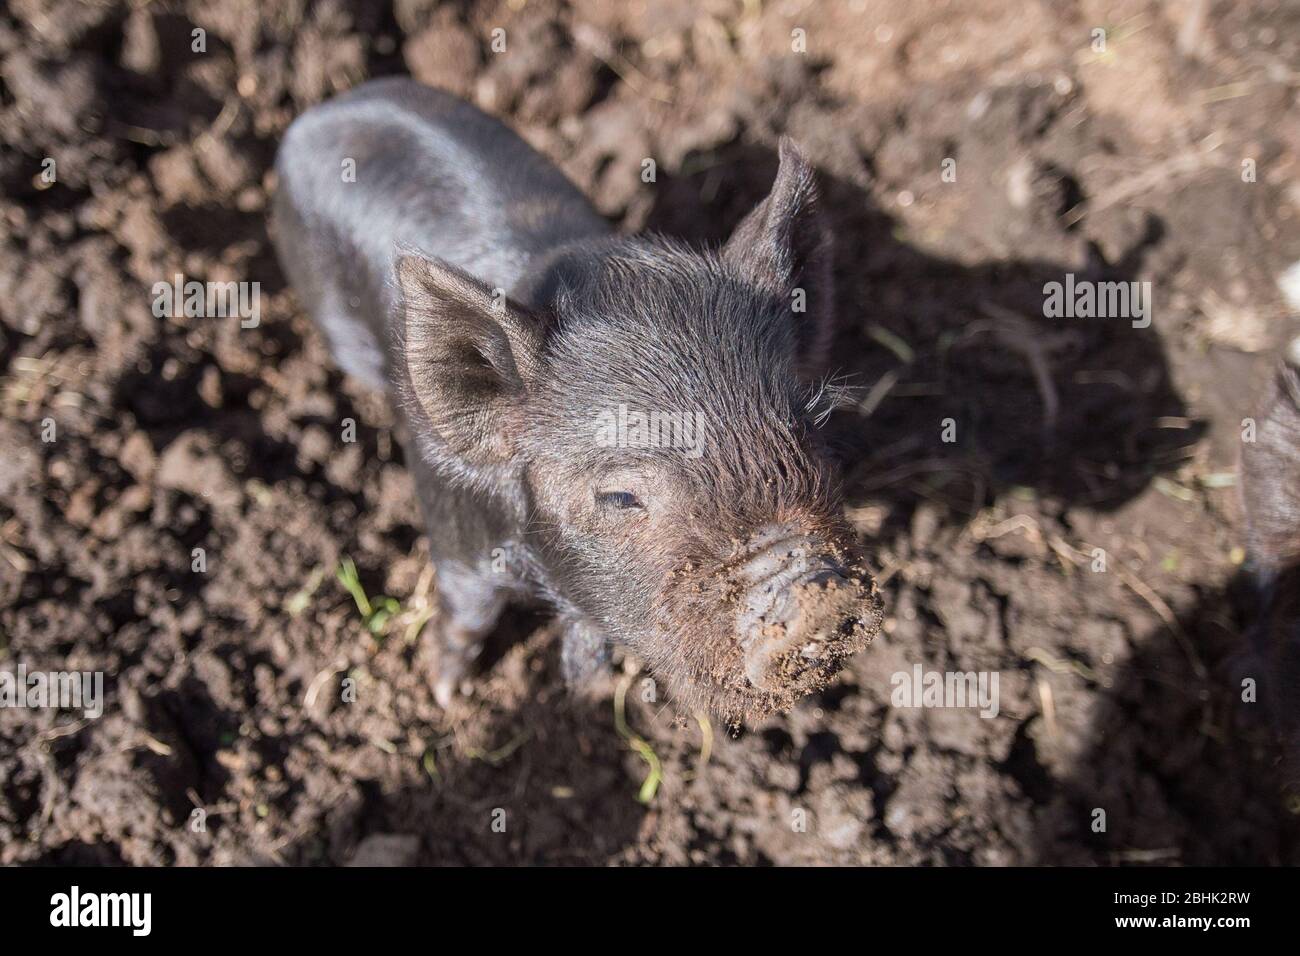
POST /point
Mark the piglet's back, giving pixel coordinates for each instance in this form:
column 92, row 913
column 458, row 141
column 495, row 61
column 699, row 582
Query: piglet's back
column 397, row 166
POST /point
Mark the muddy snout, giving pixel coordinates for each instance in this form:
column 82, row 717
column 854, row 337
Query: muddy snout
column 804, row 606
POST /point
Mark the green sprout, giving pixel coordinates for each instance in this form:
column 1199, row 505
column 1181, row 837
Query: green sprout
column 430, row 763
column 498, row 756
column 655, row 776
column 376, row 615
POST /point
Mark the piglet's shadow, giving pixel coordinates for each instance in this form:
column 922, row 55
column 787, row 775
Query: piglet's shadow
column 1080, row 413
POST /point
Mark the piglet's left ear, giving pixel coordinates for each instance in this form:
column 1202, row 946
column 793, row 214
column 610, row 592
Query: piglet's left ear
column 784, row 247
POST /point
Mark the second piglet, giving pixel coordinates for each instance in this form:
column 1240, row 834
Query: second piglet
column 1271, row 493
column 625, row 427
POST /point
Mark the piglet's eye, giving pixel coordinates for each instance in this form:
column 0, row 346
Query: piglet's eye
column 619, row 500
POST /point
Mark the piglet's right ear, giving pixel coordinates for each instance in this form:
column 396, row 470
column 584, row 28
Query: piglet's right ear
column 785, row 244
column 469, row 354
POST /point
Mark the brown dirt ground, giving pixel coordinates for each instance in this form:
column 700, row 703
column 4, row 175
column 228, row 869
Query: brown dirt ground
column 1119, row 690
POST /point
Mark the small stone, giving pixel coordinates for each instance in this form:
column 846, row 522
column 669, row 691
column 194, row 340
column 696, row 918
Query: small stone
column 386, row 849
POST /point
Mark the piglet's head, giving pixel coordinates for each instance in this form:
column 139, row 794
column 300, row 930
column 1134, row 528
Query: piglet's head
column 655, row 423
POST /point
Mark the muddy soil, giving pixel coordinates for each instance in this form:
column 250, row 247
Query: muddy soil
column 970, row 152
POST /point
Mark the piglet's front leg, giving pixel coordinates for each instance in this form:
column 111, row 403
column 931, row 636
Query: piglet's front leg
column 470, row 605
column 584, row 651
